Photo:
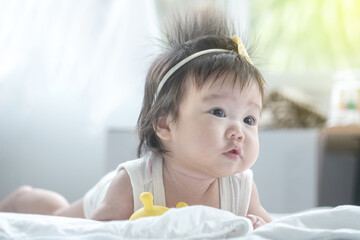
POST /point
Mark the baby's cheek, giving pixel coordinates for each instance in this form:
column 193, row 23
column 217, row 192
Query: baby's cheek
column 254, row 147
column 209, row 134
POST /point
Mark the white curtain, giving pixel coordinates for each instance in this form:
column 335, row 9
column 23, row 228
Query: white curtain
column 68, row 71
column 72, row 56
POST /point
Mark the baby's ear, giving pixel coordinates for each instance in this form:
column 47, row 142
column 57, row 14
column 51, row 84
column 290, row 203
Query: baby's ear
column 162, row 128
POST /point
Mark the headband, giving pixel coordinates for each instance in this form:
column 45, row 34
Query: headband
column 241, row 50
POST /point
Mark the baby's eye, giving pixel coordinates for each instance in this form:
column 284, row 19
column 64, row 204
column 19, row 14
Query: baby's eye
column 217, row 112
column 250, row 121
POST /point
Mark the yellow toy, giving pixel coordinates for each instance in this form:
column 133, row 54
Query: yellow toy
column 149, row 209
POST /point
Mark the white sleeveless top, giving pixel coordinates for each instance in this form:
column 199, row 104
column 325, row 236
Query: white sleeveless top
column 146, row 176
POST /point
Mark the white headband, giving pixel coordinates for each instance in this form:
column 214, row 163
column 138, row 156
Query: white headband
column 183, row 62
column 241, row 50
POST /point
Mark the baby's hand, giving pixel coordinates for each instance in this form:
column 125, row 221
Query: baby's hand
column 256, row 221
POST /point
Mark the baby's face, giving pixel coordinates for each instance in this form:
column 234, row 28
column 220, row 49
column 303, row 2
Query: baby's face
column 216, row 134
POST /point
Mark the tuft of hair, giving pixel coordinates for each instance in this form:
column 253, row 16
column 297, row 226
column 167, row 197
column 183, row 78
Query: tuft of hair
column 181, row 27
column 184, row 34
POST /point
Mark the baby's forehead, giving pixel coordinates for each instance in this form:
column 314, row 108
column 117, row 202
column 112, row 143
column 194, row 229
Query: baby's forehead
column 223, row 93
column 222, row 83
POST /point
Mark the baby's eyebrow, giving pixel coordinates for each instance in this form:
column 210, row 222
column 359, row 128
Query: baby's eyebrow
column 214, row 96
column 255, row 105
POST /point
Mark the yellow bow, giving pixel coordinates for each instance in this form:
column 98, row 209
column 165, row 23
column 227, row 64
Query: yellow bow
column 242, row 51
column 241, row 48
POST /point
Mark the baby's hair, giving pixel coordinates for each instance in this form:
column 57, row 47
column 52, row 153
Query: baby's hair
column 198, row 30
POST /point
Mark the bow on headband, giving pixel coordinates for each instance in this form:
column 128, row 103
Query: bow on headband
column 242, row 51
column 241, row 48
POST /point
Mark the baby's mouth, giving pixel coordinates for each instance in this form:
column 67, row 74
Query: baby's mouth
column 235, row 151
column 233, row 154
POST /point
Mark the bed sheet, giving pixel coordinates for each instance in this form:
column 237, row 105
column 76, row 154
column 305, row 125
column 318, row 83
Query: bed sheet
column 195, row 222
column 342, row 222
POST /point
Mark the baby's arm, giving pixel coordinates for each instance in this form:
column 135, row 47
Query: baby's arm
column 118, row 203
column 256, row 213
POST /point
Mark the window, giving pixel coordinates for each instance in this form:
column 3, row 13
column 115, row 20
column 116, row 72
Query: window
column 317, row 36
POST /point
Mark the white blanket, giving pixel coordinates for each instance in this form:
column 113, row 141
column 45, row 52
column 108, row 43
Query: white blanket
column 342, row 222
column 195, row 222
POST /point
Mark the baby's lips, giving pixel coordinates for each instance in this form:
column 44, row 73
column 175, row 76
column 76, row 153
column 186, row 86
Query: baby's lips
column 236, row 151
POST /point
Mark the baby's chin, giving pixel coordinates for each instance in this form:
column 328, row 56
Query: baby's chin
column 232, row 172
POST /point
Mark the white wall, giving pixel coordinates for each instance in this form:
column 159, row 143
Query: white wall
column 68, row 70
column 287, row 170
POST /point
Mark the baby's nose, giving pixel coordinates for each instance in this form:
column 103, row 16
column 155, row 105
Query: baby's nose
column 235, row 134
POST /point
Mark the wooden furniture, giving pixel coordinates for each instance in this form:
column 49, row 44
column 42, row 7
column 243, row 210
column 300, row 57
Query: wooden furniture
column 339, row 170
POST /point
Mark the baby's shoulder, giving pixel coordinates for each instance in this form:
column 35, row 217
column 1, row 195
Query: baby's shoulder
column 120, row 188
column 121, row 178
column 118, row 201
column 134, row 164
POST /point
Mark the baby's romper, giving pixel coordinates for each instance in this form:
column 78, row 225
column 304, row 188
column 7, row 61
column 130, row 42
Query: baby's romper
column 146, row 176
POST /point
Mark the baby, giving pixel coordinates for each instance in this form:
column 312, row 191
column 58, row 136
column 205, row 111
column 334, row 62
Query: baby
column 198, row 131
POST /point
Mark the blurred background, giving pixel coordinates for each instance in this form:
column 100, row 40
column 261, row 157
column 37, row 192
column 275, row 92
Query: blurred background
column 72, row 76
